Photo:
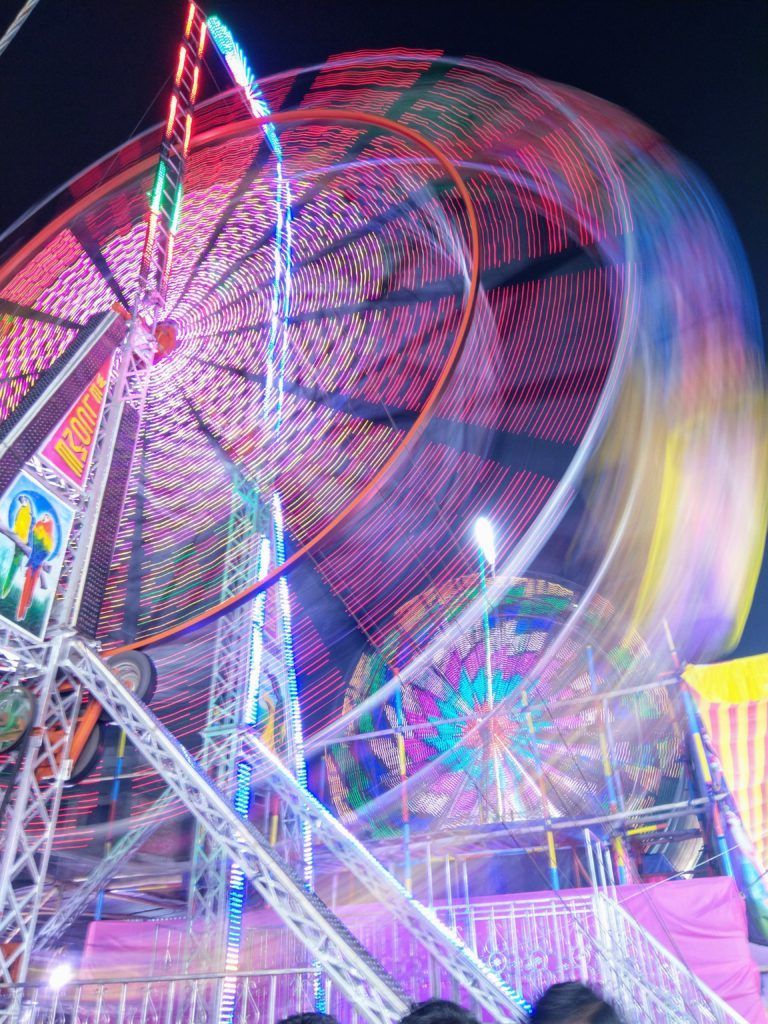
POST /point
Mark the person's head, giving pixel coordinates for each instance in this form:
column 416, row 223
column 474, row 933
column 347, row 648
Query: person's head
column 438, row 1011
column 309, row 1018
column 570, row 1002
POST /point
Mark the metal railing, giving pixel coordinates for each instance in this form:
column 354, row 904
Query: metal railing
column 173, row 999
column 530, row 942
column 644, row 979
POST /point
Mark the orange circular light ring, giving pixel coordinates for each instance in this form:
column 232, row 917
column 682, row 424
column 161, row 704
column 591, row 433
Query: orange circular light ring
column 421, row 421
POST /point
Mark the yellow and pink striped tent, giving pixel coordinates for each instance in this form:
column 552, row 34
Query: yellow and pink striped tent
column 732, row 698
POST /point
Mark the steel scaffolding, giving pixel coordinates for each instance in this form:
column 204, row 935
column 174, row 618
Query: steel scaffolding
column 338, row 953
column 33, row 804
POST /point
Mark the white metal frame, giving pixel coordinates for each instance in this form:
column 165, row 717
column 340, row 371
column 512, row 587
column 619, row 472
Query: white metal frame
column 35, row 800
column 643, row 979
column 346, row 963
column 457, row 957
column 209, row 876
column 29, row 826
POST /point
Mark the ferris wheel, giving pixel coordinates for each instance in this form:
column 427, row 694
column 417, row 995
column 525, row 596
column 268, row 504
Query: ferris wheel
column 373, row 369
column 476, row 754
column 253, row 393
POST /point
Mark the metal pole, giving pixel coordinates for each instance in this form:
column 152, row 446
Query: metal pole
column 405, row 809
column 700, row 759
column 489, row 697
column 554, row 873
column 615, row 796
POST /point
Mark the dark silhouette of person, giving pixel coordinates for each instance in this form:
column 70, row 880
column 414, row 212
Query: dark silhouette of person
column 570, row 1002
column 310, row 1017
column 438, row 1011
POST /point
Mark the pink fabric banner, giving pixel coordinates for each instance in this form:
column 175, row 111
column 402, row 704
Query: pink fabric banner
column 702, row 922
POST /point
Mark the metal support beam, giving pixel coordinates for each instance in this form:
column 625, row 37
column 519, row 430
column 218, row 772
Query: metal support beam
column 46, row 393
column 35, row 802
column 348, row 965
column 481, row 983
column 167, row 190
column 27, row 838
column 37, row 795
column 129, row 389
column 209, row 882
column 80, row 898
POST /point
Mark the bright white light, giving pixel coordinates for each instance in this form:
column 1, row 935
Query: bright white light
column 60, row 976
column 485, row 539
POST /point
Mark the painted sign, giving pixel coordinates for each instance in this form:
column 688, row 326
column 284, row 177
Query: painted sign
column 70, row 447
column 34, row 530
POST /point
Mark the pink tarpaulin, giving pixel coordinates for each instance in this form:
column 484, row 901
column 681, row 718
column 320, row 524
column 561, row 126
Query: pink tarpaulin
column 701, row 922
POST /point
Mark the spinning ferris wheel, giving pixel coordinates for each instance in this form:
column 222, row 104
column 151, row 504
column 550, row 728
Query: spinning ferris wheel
column 255, row 391
column 467, row 767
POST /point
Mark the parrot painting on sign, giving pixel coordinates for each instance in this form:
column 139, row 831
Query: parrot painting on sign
column 21, row 527
column 34, row 529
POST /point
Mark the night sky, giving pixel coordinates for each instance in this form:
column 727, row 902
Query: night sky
column 84, row 75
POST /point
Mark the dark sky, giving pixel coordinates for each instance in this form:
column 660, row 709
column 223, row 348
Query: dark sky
column 82, row 75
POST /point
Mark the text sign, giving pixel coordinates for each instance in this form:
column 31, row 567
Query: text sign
column 70, row 446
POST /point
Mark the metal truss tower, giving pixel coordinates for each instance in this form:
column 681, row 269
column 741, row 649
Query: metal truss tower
column 253, row 681
column 34, row 795
column 209, row 877
column 252, row 685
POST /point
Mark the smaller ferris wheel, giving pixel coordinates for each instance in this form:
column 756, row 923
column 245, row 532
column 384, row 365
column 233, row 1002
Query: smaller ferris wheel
column 522, row 722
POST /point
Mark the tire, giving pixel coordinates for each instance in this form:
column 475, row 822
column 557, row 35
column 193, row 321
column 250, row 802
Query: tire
column 137, row 672
column 89, row 755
